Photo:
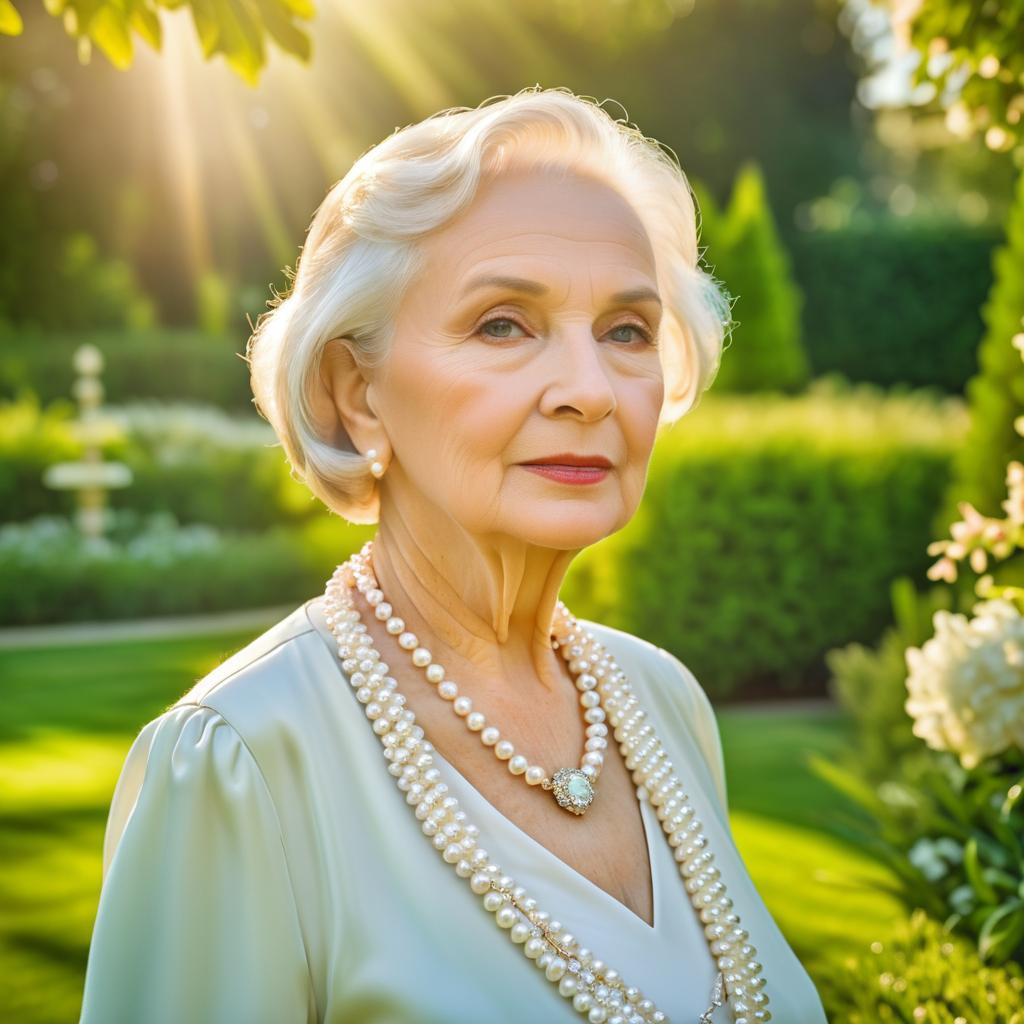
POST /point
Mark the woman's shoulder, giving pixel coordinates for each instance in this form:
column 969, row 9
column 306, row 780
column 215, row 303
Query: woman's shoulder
column 241, row 717
column 263, row 679
column 193, row 846
column 254, row 700
column 246, row 667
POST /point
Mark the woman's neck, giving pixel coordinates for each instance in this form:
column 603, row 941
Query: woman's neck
column 484, row 607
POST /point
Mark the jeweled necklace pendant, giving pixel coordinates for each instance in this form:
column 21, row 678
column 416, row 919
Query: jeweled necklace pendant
column 572, row 789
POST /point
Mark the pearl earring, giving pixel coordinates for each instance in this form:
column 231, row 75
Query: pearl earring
column 376, row 468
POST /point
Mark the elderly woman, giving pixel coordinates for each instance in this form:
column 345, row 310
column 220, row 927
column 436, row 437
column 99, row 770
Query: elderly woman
column 401, row 804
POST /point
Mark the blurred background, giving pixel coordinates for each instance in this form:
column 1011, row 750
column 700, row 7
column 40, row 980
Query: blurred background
column 842, row 496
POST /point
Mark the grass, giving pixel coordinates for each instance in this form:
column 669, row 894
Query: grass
column 70, row 715
column 819, row 887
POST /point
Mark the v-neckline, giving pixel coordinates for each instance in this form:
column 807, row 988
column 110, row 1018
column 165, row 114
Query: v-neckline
column 543, row 851
column 525, row 836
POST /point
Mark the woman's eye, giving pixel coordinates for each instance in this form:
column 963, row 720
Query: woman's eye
column 503, row 322
column 639, row 332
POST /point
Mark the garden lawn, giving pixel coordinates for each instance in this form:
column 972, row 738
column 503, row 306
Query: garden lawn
column 70, row 715
column 822, row 890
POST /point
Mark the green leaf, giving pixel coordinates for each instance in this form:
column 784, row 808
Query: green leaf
column 1001, row 879
column 300, row 8
column 10, row 20
column 1009, row 840
column 972, row 867
column 147, row 24
column 991, row 851
column 242, row 42
column 1002, row 932
column 288, row 36
column 109, row 31
column 207, row 27
column 847, row 782
column 952, row 801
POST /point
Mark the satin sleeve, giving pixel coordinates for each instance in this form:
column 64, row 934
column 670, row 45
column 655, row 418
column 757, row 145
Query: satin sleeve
column 196, row 919
column 701, row 715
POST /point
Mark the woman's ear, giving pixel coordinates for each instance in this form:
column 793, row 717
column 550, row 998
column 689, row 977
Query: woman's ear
column 340, row 398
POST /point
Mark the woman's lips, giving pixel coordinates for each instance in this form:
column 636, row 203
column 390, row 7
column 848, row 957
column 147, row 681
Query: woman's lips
column 568, row 474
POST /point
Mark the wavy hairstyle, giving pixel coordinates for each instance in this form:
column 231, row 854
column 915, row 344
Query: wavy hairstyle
column 361, row 253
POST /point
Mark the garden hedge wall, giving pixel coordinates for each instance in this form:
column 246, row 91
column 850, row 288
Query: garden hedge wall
column 894, row 303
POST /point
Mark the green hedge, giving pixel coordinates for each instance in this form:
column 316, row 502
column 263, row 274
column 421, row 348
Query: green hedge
column 150, row 566
column 166, row 363
column 895, row 303
column 771, row 529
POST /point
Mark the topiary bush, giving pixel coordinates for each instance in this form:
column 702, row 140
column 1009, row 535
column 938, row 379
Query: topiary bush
column 745, row 558
column 996, row 392
column 765, row 350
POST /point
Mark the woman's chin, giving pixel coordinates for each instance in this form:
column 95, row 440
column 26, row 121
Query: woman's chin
column 568, row 524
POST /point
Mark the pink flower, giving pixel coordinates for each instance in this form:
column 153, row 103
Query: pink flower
column 943, row 569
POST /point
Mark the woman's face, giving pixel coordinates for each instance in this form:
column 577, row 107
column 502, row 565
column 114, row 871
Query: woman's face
column 517, row 343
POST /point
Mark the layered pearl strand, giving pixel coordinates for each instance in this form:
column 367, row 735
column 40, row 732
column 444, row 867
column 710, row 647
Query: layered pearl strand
column 573, row 788
column 596, row 990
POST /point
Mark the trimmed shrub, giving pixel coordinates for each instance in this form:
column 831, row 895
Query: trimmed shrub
column 895, row 303
column 745, row 558
column 152, row 566
column 165, row 363
column 195, row 462
column 765, row 350
column 996, row 393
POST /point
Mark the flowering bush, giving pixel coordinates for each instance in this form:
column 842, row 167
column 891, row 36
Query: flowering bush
column 966, row 683
column 953, row 839
column 949, row 820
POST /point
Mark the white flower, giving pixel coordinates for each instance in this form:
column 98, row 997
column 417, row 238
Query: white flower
column 966, row 684
column 933, row 858
column 962, row 899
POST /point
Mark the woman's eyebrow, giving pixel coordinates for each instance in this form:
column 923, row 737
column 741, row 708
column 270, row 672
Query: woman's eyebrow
column 637, row 295
column 518, row 284
column 522, row 284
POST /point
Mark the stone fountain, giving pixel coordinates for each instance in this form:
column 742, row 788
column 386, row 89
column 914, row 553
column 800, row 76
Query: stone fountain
column 90, row 477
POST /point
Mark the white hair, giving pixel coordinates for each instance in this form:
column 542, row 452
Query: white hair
column 361, row 253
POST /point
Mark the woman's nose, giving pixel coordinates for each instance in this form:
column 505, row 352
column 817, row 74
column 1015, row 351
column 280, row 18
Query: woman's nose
column 579, row 375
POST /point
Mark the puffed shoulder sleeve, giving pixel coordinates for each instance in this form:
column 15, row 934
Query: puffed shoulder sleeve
column 705, row 725
column 197, row 919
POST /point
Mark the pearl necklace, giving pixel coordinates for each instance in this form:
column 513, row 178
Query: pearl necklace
column 573, row 788
column 597, row 991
